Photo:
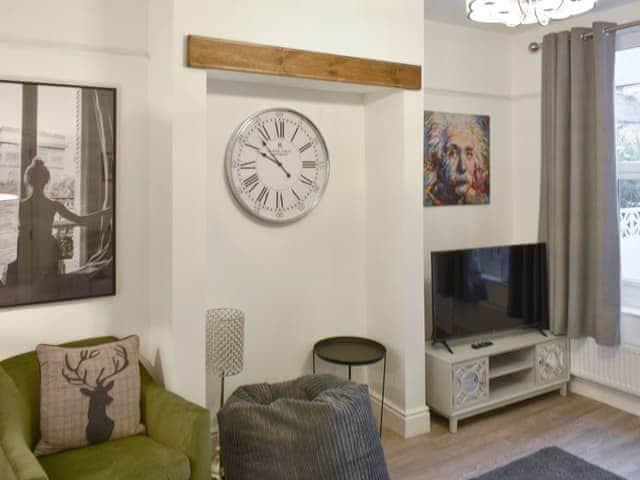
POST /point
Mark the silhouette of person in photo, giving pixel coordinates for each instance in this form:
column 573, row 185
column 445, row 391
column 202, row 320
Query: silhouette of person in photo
column 38, row 250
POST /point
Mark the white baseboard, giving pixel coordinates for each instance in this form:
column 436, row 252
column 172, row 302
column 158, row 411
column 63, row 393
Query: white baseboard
column 407, row 424
column 602, row 393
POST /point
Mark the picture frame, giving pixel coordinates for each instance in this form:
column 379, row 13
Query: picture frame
column 456, row 160
column 58, row 149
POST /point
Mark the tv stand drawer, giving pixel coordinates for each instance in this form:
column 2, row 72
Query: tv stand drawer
column 552, row 361
column 470, row 383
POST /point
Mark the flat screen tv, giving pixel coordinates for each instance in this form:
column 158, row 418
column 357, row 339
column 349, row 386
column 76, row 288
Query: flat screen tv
column 486, row 290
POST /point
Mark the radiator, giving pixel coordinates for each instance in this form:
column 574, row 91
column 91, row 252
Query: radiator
column 617, row 368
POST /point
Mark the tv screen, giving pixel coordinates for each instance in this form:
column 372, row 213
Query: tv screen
column 483, row 290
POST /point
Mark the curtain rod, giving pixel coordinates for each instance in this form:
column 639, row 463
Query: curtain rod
column 536, row 46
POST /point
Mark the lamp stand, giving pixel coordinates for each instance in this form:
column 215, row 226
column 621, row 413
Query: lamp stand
column 217, row 472
column 221, row 390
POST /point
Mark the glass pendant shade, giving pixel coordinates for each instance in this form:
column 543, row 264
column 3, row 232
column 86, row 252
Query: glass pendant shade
column 521, row 12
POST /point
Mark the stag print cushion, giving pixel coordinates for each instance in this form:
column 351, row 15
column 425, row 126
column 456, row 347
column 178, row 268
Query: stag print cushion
column 88, row 394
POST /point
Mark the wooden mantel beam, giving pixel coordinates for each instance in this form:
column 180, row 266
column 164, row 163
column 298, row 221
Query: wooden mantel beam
column 217, row 54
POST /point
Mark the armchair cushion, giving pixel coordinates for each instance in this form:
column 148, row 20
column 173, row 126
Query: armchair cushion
column 24, row 371
column 88, row 395
column 6, row 470
column 134, row 458
column 16, row 460
column 178, row 424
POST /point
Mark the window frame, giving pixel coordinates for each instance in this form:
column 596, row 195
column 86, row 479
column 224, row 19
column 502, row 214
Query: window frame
column 630, row 286
column 630, row 311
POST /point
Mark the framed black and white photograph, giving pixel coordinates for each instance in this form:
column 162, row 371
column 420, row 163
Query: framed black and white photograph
column 57, row 192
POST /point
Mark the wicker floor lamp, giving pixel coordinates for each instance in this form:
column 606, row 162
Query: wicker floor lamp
column 225, row 353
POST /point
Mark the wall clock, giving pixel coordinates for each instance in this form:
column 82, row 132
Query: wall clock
column 277, row 165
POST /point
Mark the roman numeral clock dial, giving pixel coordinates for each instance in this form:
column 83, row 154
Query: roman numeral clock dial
column 277, row 165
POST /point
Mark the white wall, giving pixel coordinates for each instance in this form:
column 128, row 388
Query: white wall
column 374, row 29
column 172, row 259
column 177, row 228
column 99, row 43
column 345, row 269
column 466, row 60
column 115, row 26
column 394, row 272
column 190, row 277
column 299, row 282
column 468, row 71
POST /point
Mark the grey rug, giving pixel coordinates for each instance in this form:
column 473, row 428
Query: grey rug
column 549, row 464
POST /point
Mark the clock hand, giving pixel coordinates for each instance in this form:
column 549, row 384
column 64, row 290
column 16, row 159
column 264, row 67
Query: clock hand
column 264, row 155
column 271, row 159
column 274, row 159
column 278, row 163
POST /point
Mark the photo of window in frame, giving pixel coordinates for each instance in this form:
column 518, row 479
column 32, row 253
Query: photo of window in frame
column 57, row 192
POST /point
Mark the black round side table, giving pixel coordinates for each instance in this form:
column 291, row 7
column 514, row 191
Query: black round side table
column 353, row 352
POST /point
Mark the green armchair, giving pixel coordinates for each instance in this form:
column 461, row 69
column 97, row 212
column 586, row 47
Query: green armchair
column 176, row 445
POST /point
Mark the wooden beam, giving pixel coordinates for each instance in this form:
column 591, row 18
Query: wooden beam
column 217, row 54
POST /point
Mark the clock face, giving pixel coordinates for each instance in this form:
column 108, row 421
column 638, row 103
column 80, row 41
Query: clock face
column 277, row 165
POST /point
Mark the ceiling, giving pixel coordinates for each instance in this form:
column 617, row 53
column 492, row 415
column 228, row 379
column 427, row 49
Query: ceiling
column 455, row 12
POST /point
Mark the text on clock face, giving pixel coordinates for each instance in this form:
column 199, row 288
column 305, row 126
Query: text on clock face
column 279, row 164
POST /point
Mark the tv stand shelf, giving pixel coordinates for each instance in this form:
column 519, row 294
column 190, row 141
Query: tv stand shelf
column 468, row 381
column 508, row 369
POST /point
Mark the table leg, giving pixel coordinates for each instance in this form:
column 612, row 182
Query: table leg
column 453, row 425
column 384, row 378
column 349, row 372
column 563, row 390
column 313, row 355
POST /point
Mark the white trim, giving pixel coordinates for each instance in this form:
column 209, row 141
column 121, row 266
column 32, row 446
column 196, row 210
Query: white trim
column 71, row 46
column 604, row 394
column 631, row 348
column 630, row 297
column 406, row 423
column 466, row 93
column 630, row 311
column 626, row 39
column 463, row 93
column 526, row 96
column 628, row 170
column 631, row 281
column 413, row 422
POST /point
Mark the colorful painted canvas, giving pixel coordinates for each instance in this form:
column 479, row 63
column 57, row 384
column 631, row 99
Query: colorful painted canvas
column 456, row 159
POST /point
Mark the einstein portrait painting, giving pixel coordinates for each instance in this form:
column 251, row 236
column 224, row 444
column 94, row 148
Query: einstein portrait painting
column 456, row 159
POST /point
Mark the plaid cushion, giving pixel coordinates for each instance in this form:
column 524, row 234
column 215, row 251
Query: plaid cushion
column 88, row 395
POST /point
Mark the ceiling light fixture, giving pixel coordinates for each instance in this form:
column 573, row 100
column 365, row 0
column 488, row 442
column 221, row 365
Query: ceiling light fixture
column 521, row 12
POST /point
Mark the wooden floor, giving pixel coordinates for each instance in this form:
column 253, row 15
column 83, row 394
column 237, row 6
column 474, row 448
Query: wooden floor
column 596, row 432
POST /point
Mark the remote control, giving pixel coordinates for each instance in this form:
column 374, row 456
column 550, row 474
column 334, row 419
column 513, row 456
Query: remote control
column 478, row 345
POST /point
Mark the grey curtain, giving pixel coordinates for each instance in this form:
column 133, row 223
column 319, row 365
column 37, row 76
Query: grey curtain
column 579, row 202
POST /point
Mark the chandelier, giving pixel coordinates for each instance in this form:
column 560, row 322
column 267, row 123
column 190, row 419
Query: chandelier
column 518, row 12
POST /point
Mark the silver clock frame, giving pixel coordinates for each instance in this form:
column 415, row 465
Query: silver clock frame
column 229, row 161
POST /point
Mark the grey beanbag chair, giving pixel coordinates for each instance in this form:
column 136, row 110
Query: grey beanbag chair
column 318, row 427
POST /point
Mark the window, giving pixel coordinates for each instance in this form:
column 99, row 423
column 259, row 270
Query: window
column 628, row 158
column 59, row 136
column 627, row 108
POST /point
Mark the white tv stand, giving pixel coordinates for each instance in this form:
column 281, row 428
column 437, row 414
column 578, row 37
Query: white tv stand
column 516, row 367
